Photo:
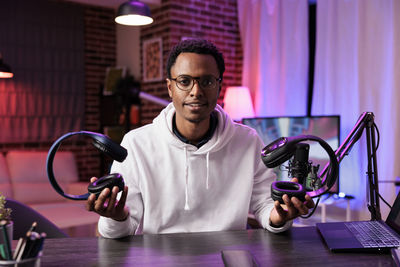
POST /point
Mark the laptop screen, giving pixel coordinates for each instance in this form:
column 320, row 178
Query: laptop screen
column 393, row 219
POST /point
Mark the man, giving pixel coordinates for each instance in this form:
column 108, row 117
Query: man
column 193, row 169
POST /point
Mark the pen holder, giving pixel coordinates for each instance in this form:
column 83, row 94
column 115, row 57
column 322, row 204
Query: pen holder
column 30, row 262
column 9, row 229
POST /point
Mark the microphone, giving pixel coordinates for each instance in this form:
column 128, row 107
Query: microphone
column 300, row 167
column 281, row 150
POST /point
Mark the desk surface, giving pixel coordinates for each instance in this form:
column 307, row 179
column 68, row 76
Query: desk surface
column 300, row 246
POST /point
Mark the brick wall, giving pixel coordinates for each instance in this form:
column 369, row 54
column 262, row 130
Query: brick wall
column 100, row 53
column 215, row 20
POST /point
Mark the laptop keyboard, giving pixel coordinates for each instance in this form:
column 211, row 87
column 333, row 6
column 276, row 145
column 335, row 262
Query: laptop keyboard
column 372, row 234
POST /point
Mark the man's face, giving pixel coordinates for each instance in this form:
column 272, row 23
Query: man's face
column 194, row 105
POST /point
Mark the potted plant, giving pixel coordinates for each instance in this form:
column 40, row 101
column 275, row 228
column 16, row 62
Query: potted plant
column 5, row 215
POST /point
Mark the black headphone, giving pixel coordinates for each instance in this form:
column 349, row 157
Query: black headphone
column 282, row 150
column 105, row 145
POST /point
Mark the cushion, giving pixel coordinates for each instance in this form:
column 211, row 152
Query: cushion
column 30, row 166
column 67, row 214
column 29, row 177
column 36, row 193
column 77, row 188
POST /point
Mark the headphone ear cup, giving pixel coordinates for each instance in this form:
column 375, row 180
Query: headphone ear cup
column 279, row 188
column 108, row 181
column 109, row 147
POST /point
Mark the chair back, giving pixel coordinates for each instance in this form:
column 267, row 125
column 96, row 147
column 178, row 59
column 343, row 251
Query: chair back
column 23, row 216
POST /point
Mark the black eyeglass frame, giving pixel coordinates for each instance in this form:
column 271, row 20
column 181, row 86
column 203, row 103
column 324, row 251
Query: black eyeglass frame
column 197, row 79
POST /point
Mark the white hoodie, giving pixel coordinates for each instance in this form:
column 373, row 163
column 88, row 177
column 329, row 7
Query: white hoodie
column 175, row 187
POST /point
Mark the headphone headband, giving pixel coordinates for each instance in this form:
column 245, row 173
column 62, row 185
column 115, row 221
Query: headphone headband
column 100, row 141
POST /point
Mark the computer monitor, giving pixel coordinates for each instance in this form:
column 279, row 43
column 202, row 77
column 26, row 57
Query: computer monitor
column 325, row 127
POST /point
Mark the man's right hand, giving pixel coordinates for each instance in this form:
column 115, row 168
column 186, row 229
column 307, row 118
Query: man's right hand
column 107, row 205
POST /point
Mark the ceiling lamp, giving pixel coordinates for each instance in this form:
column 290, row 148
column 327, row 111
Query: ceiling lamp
column 133, row 13
column 5, row 70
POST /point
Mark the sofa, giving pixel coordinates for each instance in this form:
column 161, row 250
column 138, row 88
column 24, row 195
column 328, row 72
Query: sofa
column 23, row 177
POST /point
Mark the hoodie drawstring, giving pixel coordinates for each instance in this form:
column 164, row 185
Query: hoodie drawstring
column 186, row 181
column 208, row 169
column 187, row 176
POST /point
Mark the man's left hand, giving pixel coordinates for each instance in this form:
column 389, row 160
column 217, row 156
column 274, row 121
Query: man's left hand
column 291, row 209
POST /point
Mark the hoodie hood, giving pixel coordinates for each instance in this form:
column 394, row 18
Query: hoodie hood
column 221, row 136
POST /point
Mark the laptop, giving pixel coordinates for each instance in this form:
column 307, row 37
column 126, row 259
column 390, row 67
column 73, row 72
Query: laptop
column 363, row 235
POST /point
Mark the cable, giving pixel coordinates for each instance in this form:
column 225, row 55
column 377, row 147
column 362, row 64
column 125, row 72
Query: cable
column 378, row 136
column 375, row 127
column 384, row 201
column 312, row 212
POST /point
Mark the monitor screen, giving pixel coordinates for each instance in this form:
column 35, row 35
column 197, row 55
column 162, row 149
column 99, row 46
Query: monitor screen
column 324, row 127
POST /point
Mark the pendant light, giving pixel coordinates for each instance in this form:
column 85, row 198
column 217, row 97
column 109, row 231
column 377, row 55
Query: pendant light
column 133, row 13
column 5, row 70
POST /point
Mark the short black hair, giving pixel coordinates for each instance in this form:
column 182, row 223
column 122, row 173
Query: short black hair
column 198, row 46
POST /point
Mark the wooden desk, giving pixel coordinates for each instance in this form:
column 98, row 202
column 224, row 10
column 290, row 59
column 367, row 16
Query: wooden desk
column 301, row 246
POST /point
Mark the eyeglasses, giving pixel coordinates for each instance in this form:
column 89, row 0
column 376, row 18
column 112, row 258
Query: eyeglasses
column 206, row 82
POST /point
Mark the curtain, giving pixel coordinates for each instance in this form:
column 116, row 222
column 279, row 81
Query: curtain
column 274, row 36
column 43, row 42
column 357, row 69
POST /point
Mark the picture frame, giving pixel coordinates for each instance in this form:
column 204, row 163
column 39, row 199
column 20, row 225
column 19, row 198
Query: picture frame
column 113, row 76
column 152, row 60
